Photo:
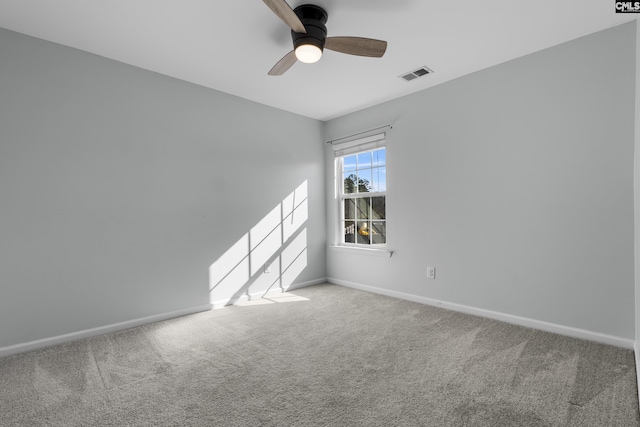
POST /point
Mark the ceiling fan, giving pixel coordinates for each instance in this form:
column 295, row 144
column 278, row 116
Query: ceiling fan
column 309, row 36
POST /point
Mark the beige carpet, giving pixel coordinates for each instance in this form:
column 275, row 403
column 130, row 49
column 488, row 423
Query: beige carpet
column 322, row 356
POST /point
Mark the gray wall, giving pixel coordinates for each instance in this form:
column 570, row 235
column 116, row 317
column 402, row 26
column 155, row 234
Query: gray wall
column 516, row 183
column 120, row 187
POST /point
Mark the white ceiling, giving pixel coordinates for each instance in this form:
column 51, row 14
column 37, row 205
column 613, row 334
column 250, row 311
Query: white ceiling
column 231, row 45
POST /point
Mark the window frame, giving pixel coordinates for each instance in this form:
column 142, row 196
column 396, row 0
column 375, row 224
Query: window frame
column 368, row 145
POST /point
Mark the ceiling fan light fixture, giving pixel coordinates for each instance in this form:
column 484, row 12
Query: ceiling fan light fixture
column 309, row 36
column 308, row 53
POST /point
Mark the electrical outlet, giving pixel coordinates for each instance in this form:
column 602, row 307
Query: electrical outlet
column 431, row 272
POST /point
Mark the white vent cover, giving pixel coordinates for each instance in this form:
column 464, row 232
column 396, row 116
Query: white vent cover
column 412, row 75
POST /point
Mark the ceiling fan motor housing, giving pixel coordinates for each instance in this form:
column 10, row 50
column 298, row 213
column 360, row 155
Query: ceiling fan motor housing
column 313, row 18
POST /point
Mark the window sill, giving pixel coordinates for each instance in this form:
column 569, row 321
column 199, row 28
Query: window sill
column 364, row 251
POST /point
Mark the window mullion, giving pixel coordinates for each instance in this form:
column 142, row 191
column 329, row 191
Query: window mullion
column 370, row 223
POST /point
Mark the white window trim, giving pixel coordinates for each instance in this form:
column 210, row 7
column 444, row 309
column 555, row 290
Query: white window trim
column 343, row 149
column 362, row 250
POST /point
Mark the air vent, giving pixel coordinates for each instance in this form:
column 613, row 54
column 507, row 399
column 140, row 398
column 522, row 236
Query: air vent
column 422, row 71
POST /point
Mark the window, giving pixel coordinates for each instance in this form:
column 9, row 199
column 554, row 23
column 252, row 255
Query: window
column 362, row 172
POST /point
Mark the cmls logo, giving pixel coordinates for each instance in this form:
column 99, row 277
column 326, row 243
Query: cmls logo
column 628, row 7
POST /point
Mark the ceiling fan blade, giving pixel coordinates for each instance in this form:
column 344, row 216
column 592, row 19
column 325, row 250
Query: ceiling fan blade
column 284, row 12
column 356, row 46
column 284, row 64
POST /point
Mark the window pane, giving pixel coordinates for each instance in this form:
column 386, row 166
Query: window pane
column 364, row 160
column 363, row 208
column 379, row 179
column 349, row 209
column 364, row 181
column 363, row 220
column 378, row 208
column 379, row 157
column 378, row 232
column 349, row 163
column 363, row 232
column 350, row 182
column 349, row 232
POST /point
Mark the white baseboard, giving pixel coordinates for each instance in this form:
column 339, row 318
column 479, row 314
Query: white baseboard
column 258, row 295
column 508, row 318
column 47, row 342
